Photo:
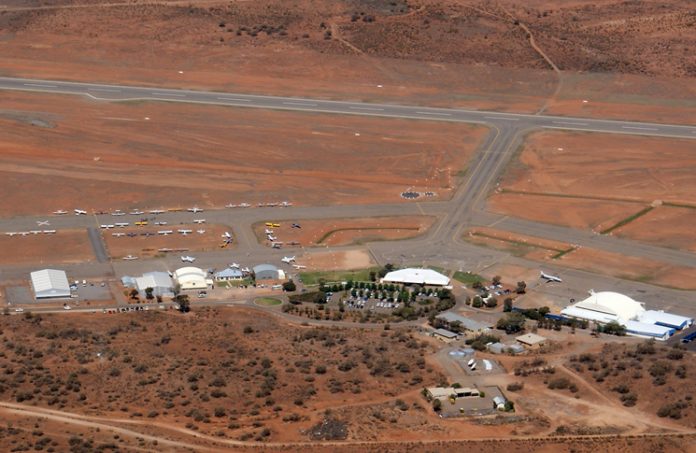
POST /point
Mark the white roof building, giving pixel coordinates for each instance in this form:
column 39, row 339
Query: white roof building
column 49, row 283
column 606, row 306
column 192, row 278
column 160, row 282
column 417, row 276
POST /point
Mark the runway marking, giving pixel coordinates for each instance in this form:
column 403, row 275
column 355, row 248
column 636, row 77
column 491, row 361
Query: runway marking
column 304, row 104
column 234, row 99
column 39, row 85
column 570, row 123
column 640, row 128
column 107, row 90
column 501, row 118
column 434, row 113
column 366, row 108
column 169, row 94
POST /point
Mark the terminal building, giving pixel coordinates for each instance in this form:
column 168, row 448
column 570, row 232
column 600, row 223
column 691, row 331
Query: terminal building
column 50, row 284
column 415, row 276
column 606, row 306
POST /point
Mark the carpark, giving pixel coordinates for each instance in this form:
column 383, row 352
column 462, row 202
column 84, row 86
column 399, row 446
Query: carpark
column 91, row 291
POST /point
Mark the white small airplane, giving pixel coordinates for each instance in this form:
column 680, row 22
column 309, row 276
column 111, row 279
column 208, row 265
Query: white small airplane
column 200, row 231
column 234, row 266
column 288, row 259
column 35, row 231
column 550, row 278
column 199, row 221
column 226, row 235
column 185, row 231
column 42, row 223
column 272, row 238
column 276, row 245
column 160, row 223
column 188, row 259
column 156, row 211
column 195, row 209
column 244, row 205
column 80, row 212
column 118, row 213
column 246, row 270
column 106, row 227
column 165, row 232
column 299, row 266
column 49, row 231
column 118, row 235
column 11, row 233
column 136, row 212
column 60, row 212
column 230, row 205
column 269, row 231
column 286, row 204
column 130, row 257
column 122, row 224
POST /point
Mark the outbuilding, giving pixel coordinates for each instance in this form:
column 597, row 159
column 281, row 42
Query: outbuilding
column 445, row 335
column 268, row 272
column 191, row 278
column 531, row 340
column 466, row 323
column 415, row 276
column 50, row 283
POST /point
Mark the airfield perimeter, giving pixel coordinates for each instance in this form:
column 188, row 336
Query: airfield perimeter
column 441, row 244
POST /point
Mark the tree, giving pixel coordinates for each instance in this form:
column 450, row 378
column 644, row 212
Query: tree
column 491, row 302
column 184, row 303
column 134, row 293
column 521, row 287
column 477, row 302
column 289, row 286
column 385, row 270
column 477, row 284
column 148, row 293
column 373, row 276
column 507, row 304
column 511, row 323
column 496, row 280
column 437, row 405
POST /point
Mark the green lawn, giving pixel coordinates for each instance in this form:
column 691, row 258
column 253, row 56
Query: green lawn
column 359, row 275
column 267, row 301
column 468, row 278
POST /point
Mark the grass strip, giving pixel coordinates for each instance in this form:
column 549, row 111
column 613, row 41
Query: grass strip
column 627, row 220
column 329, row 233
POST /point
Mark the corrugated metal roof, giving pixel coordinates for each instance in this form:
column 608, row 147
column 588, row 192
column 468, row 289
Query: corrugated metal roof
column 50, row 281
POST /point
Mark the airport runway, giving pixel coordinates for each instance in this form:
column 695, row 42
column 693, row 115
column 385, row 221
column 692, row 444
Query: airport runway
column 442, row 242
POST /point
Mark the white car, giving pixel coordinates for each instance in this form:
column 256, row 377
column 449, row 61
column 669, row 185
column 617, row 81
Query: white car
column 19, row 310
column 67, row 307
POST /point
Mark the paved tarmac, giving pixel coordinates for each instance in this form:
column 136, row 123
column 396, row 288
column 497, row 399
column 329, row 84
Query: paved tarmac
column 441, row 244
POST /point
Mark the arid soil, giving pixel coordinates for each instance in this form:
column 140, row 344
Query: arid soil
column 345, row 231
column 588, row 180
column 583, row 258
column 329, row 261
column 148, row 246
column 454, row 52
column 65, row 246
column 103, row 156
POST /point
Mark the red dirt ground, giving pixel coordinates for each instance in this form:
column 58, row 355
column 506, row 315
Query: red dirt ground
column 345, row 231
column 103, row 156
column 590, row 180
column 65, row 246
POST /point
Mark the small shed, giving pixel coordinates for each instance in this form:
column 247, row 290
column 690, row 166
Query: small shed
column 531, row 340
column 499, row 403
column 445, row 335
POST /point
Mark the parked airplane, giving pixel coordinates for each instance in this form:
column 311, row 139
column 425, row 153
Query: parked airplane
column 276, row 245
column 195, row 209
column 80, row 212
column 275, row 225
column 130, row 257
column 244, row 205
column 226, row 235
column 157, row 211
column 141, row 223
column 165, row 232
column 234, row 266
column 230, row 205
column 118, row 235
column 272, row 238
column 42, row 222
column 296, row 225
column 299, row 266
column 136, row 212
column 200, row 231
column 106, row 226
column 60, row 212
column 23, row 233
column 198, row 220
column 188, row 259
column 11, row 233
column 269, row 231
column 286, row 204
column 288, row 259
column 122, row 224
column 160, row 223
column 131, row 235
column 550, row 278
column 246, row 270
column 269, row 224
column 35, row 231
column 185, row 231
column 118, row 212
column 49, row 231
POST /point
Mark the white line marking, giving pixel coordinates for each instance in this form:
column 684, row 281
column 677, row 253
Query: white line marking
column 234, row 99
column 570, row 122
column 501, row 118
column 434, row 113
column 300, row 103
column 107, row 90
column 169, row 94
column 39, row 85
column 366, row 108
column 640, row 128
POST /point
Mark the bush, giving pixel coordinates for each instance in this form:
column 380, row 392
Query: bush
column 511, row 323
column 515, row 386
